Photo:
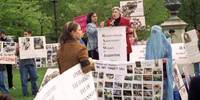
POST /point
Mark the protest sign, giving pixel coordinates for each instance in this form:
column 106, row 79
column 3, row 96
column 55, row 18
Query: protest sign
column 132, row 8
column 192, row 46
column 49, row 75
column 82, row 22
column 7, row 52
column 51, row 54
column 179, row 82
column 140, row 80
column 73, row 84
column 112, row 43
column 32, row 47
column 178, row 53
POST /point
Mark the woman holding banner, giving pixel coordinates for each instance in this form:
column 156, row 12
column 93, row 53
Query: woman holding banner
column 71, row 51
column 117, row 20
column 158, row 47
column 91, row 30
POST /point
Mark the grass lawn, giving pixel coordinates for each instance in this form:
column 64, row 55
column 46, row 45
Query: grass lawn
column 17, row 92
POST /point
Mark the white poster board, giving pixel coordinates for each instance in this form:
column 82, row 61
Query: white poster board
column 32, row 47
column 179, row 82
column 140, row 80
column 7, row 52
column 132, row 8
column 191, row 45
column 178, row 53
column 73, row 84
column 50, row 74
column 112, row 43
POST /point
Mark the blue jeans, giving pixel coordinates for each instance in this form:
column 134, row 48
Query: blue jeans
column 32, row 71
column 196, row 68
column 3, row 87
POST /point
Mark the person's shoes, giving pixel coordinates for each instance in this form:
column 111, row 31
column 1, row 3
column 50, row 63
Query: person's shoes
column 25, row 95
column 12, row 88
column 29, row 79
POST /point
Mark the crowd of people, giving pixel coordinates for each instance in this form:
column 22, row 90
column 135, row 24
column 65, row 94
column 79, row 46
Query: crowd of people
column 73, row 51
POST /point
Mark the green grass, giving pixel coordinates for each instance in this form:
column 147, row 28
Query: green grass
column 17, row 92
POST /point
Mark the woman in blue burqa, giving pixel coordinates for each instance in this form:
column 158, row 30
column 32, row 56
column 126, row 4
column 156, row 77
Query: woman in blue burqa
column 158, row 47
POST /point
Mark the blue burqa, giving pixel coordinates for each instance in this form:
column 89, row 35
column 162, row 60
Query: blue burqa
column 158, row 47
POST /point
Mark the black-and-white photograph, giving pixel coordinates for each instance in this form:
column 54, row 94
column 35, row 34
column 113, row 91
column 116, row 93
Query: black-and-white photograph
column 100, row 84
column 147, row 70
column 100, row 93
column 25, row 43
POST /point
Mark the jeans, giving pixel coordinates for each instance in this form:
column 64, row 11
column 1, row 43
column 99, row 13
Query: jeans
column 196, row 68
column 32, row 71
column 3, row 87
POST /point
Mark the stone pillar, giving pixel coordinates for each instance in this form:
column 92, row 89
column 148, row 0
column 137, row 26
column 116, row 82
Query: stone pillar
column 179, row 27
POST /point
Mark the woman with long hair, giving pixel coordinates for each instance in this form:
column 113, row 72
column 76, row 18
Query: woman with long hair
column 71, row 51
column 91, row 30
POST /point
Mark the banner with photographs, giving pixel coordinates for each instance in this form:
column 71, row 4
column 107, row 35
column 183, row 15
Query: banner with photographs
column 82, row 22
column 32, row 47
column 132, row 8
column 51, row 54
column 179, row 82
column 191, row 41
column 7, row 52
column 73, row 84
column 112, row 43
column 50, row 74
column 140, row 80
column 178, row 53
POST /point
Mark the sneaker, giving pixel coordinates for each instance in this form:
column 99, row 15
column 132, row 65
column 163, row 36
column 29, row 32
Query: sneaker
column 12, row 88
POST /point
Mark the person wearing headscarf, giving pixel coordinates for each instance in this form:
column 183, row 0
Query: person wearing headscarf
column 158, row 47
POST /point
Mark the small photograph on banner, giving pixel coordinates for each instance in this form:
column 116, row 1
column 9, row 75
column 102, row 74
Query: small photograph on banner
column 141, row 80
column 38, row 43
column 26, row 45
column 132, row 8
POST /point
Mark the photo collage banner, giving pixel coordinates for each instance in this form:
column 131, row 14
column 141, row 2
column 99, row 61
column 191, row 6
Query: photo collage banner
column 140, row 80
column 32, row 47
column 7, row 52
column 134, row 10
